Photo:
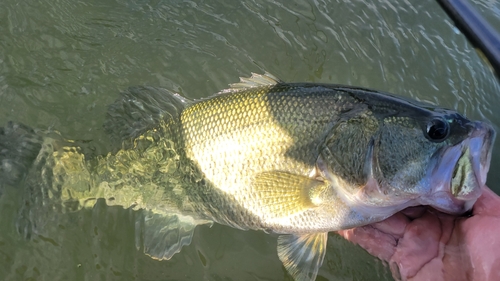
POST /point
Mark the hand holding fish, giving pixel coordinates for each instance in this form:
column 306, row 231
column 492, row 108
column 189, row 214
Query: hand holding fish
column 424, row 244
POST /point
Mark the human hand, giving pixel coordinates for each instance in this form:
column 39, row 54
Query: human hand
column 424, row 244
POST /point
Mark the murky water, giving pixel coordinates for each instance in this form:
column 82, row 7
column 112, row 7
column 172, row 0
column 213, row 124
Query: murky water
column 62, row 62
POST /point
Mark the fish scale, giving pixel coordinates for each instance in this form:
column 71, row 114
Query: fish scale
column 294, row 159
column 273, row 136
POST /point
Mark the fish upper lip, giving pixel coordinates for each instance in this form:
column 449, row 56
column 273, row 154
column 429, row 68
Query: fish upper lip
column 480, row 143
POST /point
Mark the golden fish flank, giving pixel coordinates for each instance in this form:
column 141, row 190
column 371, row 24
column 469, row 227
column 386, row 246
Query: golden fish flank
column 245, row 146
column 294, row 159
column 309, row 158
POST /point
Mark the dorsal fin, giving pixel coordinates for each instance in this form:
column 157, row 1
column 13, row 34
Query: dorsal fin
column 256, row 80
column 139, row 109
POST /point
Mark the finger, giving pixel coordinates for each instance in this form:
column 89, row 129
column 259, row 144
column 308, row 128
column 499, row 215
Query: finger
column 395, row 225
column 480, row 235
column 419, row 245
column 375, row 242
column 415, row 212
column 379, row 239
column 447, row 264
column 488, row 204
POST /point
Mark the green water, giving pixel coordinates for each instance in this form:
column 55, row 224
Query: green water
column 62, row 62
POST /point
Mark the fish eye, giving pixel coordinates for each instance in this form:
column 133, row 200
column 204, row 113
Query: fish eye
column 438, row 130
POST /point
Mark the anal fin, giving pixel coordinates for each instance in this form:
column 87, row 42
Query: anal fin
column 302, row 255
column 162, row 236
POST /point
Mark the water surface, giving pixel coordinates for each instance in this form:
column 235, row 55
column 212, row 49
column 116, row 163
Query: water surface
column 62, row 62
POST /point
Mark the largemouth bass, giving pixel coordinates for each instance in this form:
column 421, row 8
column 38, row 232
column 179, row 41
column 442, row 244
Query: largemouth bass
column 295, row 159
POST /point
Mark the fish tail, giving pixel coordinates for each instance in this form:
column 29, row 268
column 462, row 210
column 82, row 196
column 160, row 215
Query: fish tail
column 19, row 147
column 45, row 170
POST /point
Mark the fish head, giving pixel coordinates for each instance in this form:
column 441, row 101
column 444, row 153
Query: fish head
column 397, row 153
column 457, row 171
column 439, row 159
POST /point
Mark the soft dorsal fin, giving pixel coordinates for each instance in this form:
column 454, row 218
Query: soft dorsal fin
column 139, row 109
column 256, row 80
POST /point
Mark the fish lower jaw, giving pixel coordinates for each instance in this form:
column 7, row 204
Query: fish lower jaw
column 456, row 195
column 451, row 198
column 442, row 201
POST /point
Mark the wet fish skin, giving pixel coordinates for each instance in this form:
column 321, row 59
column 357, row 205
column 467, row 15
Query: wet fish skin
column 304, row 159
column 235, row 136
column 285, row 128
column 296, row 159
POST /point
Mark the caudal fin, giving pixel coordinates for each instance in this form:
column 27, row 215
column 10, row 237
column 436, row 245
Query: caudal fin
column 38, row 165
column 19, row 146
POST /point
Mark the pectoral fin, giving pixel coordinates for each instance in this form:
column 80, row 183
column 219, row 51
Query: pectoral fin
column 282, row 194
column 162, row 236
column 302, row 255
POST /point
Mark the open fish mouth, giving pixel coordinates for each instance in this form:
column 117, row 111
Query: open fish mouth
column 455, row 190
column 464, row 184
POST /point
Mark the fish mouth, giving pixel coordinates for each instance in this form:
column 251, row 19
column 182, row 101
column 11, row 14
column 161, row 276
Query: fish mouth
column 458, row 178
column 464, row 182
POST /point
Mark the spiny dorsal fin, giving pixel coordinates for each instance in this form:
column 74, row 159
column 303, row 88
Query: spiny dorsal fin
column 302, row 255
column 283, row 194
column 139, row 109
column 256, row 80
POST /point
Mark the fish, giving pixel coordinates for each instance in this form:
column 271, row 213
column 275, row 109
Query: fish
column 295, row 160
